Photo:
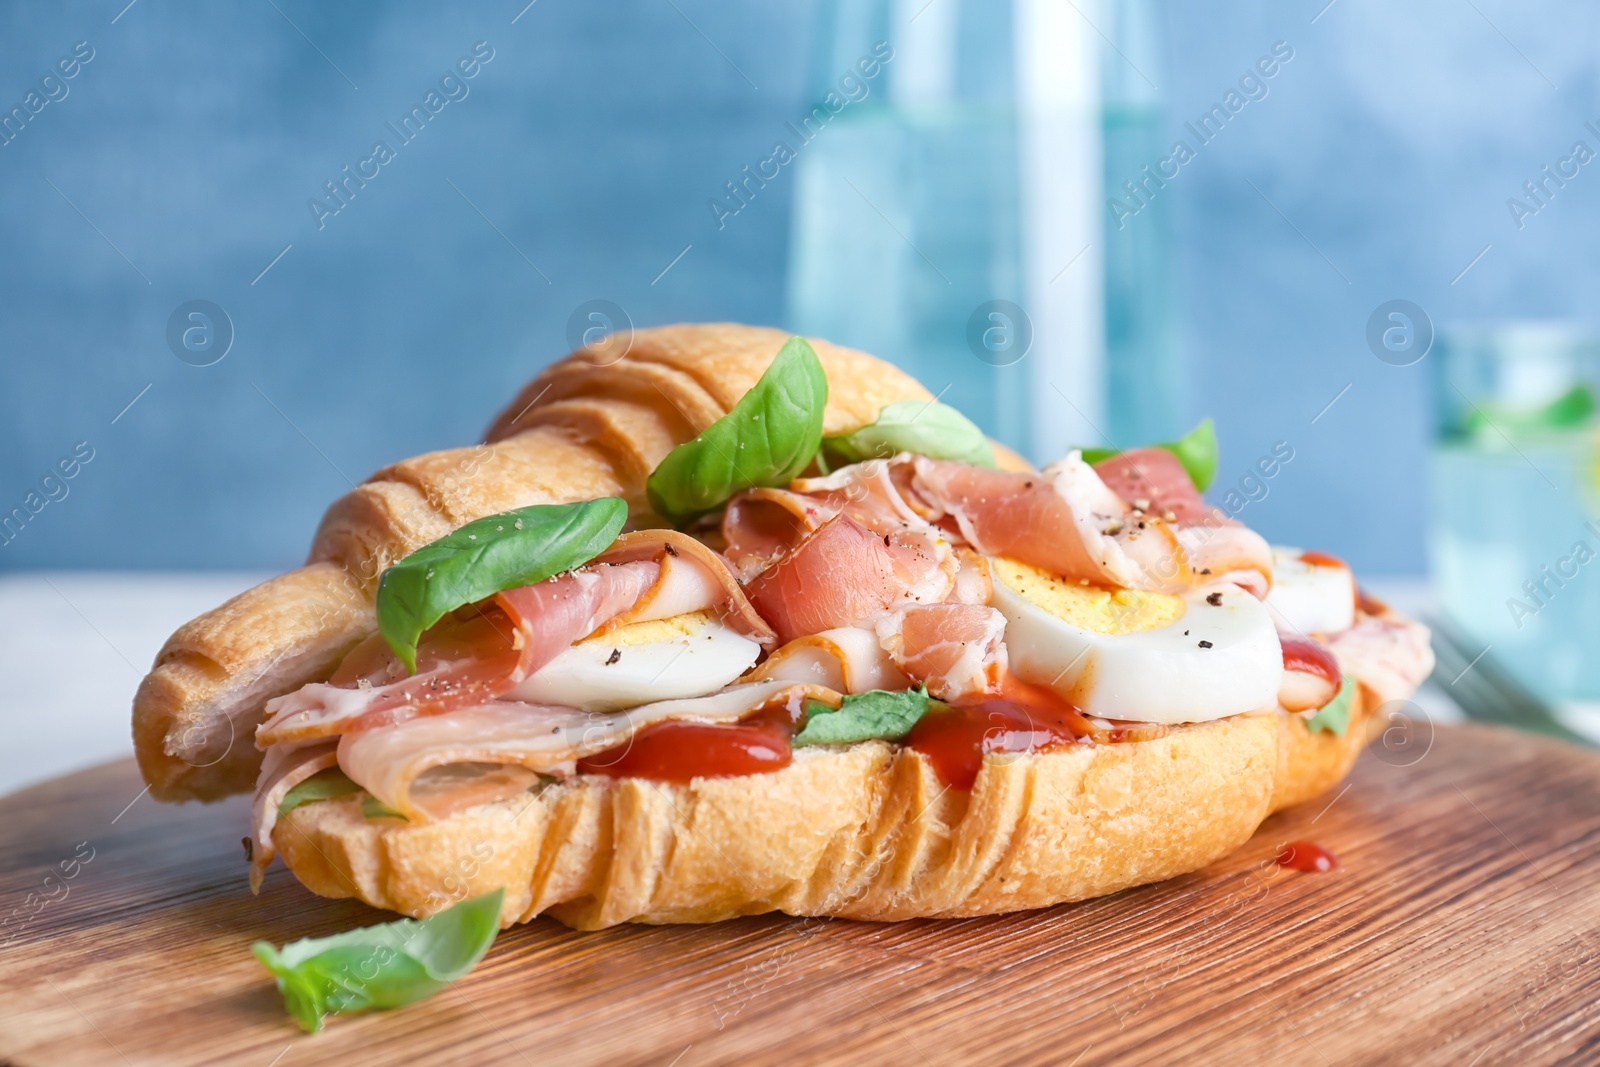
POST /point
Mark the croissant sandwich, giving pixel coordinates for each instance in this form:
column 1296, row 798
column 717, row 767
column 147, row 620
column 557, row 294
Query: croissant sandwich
column 741, row 622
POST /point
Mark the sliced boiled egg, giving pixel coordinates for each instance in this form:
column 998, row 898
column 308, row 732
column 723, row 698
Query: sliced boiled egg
column 1311, row 593
column 1143, row 656
column 664, row 659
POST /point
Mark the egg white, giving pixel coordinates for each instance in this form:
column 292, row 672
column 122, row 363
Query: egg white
column 1160, row 675
column 1310, row 598
column 703, row 659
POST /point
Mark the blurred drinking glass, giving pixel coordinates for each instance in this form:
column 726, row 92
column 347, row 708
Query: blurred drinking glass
column 1515, row 543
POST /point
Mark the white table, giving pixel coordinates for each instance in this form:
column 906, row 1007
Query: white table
column 73, row 646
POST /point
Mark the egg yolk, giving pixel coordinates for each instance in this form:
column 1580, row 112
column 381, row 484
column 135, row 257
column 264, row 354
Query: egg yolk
column 647, row 633
column 1088, row 607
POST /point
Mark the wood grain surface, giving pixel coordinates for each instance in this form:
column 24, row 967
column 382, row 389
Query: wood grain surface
column 1463, row 928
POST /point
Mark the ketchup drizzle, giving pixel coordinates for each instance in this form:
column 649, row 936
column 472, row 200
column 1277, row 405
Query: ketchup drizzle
column 955, row 737
column 1301, row 654
column 1019, row 718
column 679, row 751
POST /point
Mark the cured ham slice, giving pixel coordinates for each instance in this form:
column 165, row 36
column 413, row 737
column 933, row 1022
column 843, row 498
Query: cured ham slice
column 973, row 584
column 693, row 578
column 1154, row 481
column 761, row 526
column 551, row 615
column 1065, row 520
column 849, row 659
column 877, row 493
column 460, row 663
column 647, row 575
column 387, row 761
column 1229, row 552
column 845, row 574
column 1388, row 654
column 956, row 650
column 1011, row 513
column 443, row 791
column 284, row 767
column 1135, row 550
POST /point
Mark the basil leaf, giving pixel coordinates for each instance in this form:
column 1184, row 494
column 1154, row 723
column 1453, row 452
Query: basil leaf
column 1196, row 450
column 324, row 785
column 1571, row 410
column 873, row 715
column 1334, row 716
column 925, row 427
column 504, row 551
column 767, row 439
column 381, row 966
column 373, row 808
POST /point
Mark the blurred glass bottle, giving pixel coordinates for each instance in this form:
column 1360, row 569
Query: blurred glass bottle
column 1515, row 542
column 948, row 210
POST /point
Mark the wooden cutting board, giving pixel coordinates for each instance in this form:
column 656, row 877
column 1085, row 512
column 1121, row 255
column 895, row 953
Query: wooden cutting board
column 1463, row 928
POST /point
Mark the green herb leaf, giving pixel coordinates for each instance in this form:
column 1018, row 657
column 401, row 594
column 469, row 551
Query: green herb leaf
column 1573, row 409
column 925, row 427
column 1196, row 450
column 516, row 548
column 373, row 808
column 1334, row 716
column 324, row 785
column 876, row 714
column 767, row 439
column 381, row 966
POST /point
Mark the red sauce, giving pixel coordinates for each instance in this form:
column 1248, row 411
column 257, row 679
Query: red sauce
column 1322, row 559
column 1307, row 856
column 1300, row 654
column 681, row 751
column 1021, row 718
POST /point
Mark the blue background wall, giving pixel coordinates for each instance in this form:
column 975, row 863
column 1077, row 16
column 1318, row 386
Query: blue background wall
column 590, row 143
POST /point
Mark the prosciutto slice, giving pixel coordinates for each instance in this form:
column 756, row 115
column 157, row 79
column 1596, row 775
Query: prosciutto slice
column 1154, row 481
column 955, row 650
column 1065, row 520
column 1388, row 654
column 1010, row 513
column 284, row 767
column 650, row 574
column 693, row 578
column 845, row 574
column 761, row 526
column 459, row 663
column 849, row 659
column 877, row 493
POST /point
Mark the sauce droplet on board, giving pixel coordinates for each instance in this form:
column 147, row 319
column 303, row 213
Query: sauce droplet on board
column 1307, row 856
